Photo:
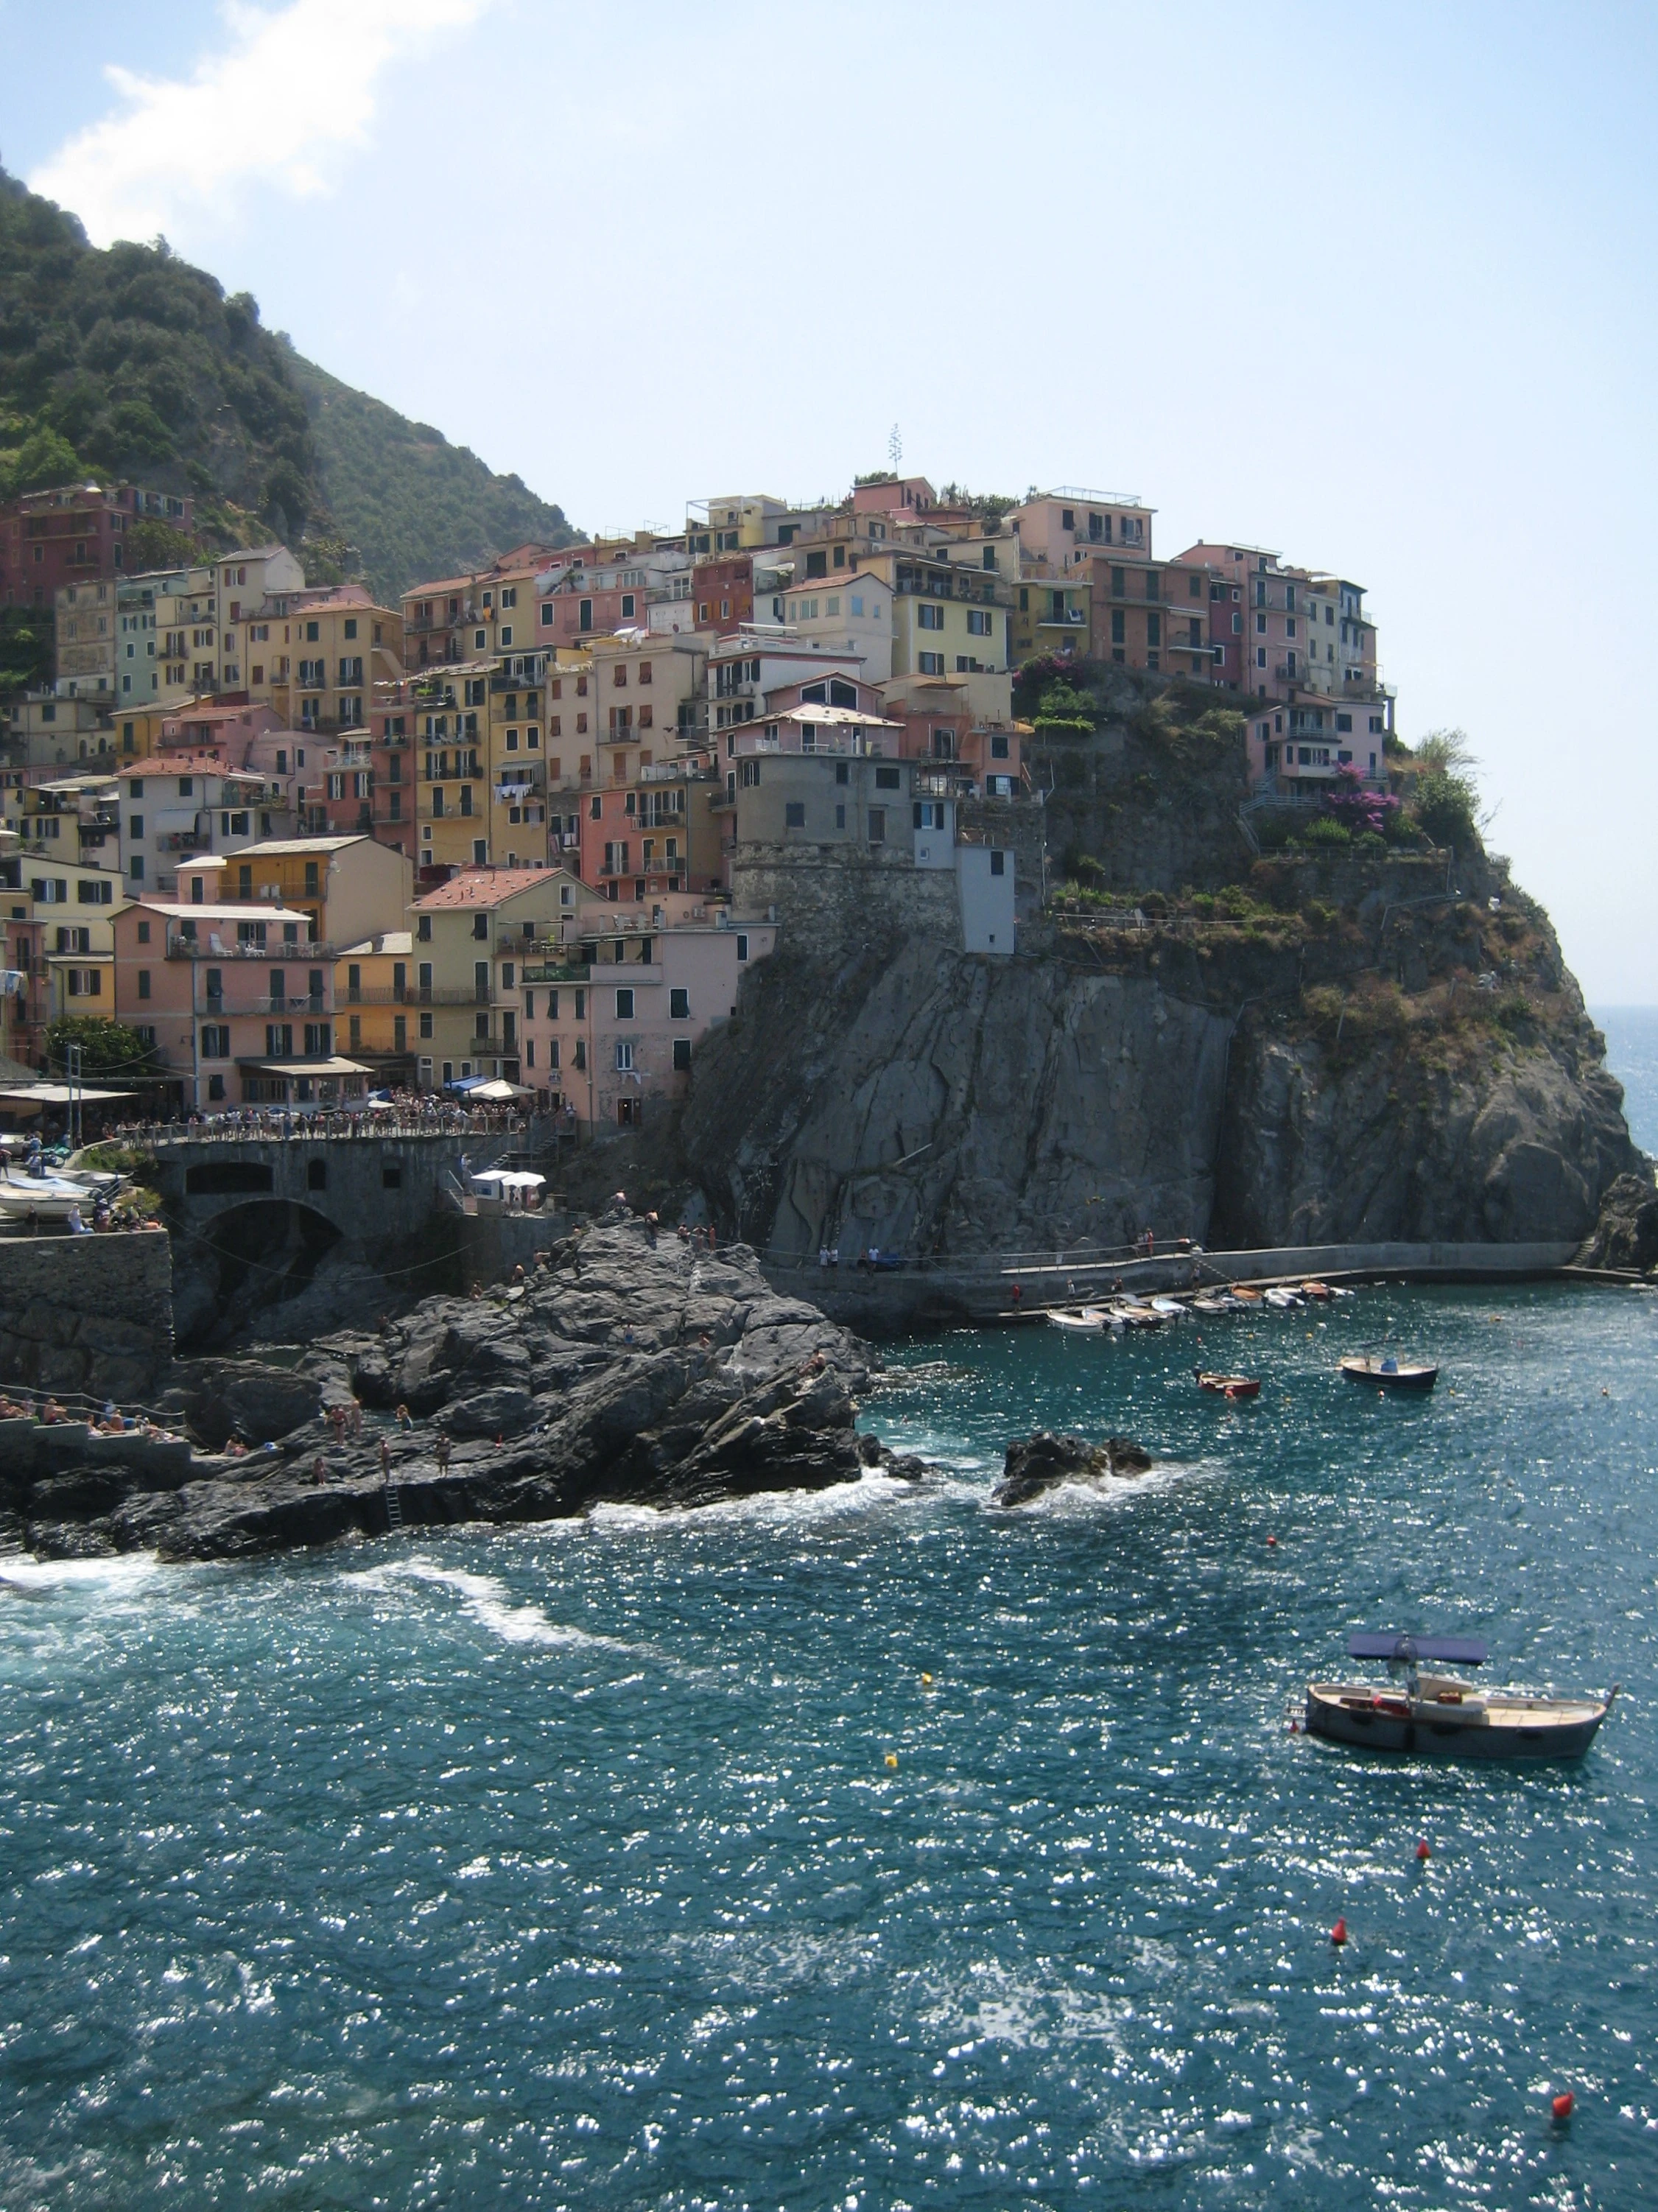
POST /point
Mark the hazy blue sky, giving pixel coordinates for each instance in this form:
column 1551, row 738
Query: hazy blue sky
column 1372, row 288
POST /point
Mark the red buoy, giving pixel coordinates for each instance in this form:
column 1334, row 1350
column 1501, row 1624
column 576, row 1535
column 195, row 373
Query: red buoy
column 1272, row 1541
column 1562, row 2105
column 1338, row 1932
column 1422, row 1850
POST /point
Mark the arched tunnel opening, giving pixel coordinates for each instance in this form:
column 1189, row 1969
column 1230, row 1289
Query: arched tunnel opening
column 243, row 1262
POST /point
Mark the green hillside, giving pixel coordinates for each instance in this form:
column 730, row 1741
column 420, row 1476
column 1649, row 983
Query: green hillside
column 416, row 506
column 130, row 362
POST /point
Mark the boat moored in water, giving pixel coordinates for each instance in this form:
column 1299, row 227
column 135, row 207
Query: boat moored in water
column 1440, row 1715
column 1227, row 1386
column 1088, row 1318
column 1389, row 1374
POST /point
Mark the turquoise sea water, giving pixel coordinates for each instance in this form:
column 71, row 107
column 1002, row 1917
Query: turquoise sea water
column 564, row 1867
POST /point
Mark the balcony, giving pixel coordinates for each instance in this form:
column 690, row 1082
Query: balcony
column 465, row 769
column 555, row 971
column 295, row 953
column 183, row 841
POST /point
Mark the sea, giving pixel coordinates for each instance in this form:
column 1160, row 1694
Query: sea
column 878, row 1849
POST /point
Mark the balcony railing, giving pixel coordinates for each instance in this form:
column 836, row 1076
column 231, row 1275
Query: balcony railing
column 295, row 953
column 555, row 971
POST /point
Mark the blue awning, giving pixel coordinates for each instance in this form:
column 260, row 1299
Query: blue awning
column 1455, row 1650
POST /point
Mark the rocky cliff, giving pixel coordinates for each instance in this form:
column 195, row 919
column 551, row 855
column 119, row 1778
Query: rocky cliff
column 1371, row 1042
column 633, row 1367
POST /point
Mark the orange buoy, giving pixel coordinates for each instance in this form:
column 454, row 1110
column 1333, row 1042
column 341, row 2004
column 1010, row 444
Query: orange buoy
column 1272, row 1543
column 1338, row 1932
column 1422, row 1850
column 1561, row 2106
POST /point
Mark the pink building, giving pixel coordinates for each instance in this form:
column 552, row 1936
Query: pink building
column 610, row 1024
column 236, row 1002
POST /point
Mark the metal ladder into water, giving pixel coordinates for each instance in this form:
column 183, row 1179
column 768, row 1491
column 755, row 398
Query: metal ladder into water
column 393, row 1508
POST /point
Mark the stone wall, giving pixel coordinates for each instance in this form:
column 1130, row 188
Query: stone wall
column 92, row 1314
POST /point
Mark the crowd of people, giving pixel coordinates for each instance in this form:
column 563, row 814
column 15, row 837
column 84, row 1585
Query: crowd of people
column 397, row 1114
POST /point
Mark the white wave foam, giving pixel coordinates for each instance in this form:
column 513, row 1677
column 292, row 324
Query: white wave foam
column 121, row 1570
column 488, row 1602
column 774, row 1508
column 1069, row 1498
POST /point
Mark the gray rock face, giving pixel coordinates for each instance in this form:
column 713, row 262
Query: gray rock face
column 636, row 1368
column 1040, row 1463
column 1518, row 1150
column 899, row 1094
column 1626, row 1234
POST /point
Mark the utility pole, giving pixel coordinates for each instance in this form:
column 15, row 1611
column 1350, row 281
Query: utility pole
column 72, row 1052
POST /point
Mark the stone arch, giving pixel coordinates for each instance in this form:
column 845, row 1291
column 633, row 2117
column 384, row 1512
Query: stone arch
column 248, row 1258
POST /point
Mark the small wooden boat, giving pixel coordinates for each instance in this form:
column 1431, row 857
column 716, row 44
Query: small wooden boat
column 1124, row 1313
column 1441, row 1716
column 1207, row 1305
column 1228, row 1386
column 1389, row 1374
column 1282, row 1298
column 1171, row 1309
column 1243, row 1291
column 1319, row 1291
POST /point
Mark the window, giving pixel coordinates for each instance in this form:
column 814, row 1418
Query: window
column 1154, row 629
column 742, row 947
column 624, row 1005
column 624, row 1055
column 794, row 814
column 143, row 983
column 679, row 1006
column 878, row 825
column 143, row 932
column 929, row 814
column 998, row 864
column 929, row 618
column 1344, row 721
column 1118, row 627
column 932, row 664
column 999, row 749
column 216, row 1039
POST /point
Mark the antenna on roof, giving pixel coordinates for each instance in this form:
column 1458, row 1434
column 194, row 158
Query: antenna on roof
column 894, row 447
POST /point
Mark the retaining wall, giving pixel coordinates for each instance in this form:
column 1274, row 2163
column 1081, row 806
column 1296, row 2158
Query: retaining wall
column 87, row 1313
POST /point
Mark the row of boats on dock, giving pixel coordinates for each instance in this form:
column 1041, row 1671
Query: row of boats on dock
column 1120, row 1313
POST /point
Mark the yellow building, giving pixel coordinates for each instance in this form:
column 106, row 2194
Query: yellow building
column 472, row 936
column 946, row 620
column 349, row 888
column 375, row 1008
column 448, row 714
column 336, row 651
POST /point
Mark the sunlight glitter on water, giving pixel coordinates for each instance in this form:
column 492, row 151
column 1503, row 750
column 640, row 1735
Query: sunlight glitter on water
column 563, row 1866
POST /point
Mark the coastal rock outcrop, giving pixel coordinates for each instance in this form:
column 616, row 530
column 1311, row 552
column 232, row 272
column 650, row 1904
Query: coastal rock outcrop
column 1042, row 1462
column 1626, row 1234
column 635, row 1367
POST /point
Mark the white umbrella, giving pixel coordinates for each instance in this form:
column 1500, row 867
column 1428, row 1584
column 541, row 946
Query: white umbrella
column 497, row 1088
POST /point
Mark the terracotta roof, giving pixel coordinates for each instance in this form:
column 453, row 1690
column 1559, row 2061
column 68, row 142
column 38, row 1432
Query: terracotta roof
column 484, row 886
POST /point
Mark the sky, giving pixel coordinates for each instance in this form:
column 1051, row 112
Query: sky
column 1370, row 286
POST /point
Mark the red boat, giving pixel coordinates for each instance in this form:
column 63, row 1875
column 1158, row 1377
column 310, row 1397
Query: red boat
column 1228, row 1386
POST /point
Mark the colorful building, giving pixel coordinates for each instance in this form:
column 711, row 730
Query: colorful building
column 74, row 534
column 472, row 936
column 614, row 1008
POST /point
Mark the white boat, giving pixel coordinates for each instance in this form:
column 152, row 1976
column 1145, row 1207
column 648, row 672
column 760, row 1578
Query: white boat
column 1281, row 1299
column 1171, row 1309
column 1441, row 1716
column 50, row 1197
column 1077, row 1317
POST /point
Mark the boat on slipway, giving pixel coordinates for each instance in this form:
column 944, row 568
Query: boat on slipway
column 1440, row 1715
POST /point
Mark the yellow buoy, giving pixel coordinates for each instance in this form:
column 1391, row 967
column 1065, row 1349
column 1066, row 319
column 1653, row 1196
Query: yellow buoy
column 926, row 1680
column 892, row 1759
